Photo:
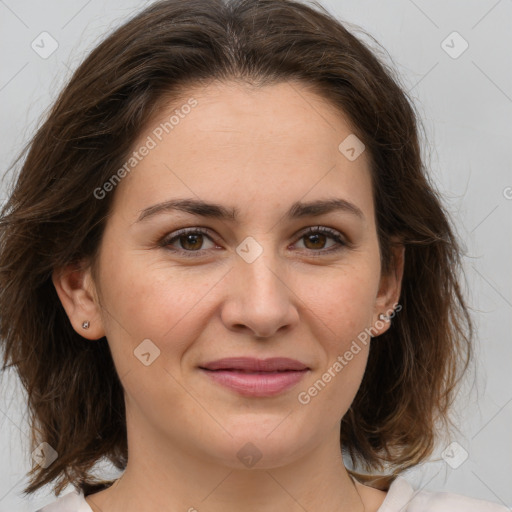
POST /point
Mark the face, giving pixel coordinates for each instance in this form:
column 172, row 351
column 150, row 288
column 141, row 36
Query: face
column 271, row 278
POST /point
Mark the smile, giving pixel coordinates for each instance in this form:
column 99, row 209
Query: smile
column 256, row 383
column 252, row 376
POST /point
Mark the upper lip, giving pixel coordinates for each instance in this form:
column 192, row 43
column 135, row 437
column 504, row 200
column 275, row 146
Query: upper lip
column 272, row 364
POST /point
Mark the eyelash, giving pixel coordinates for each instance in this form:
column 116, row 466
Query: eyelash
column 335, row 235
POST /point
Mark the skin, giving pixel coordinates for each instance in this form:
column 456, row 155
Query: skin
column 259, row 150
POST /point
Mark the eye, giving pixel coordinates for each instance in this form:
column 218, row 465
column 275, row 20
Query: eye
column 189, row 241
column 315, row 238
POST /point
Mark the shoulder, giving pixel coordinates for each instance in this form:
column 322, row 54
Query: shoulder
column 402, row 497
column 73, row 501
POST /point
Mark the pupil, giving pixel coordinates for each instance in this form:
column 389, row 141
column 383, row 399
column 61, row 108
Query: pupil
column 191, row 237
column 316, row 238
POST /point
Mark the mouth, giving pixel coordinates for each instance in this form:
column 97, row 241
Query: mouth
column 256, row 377
column 252, row 364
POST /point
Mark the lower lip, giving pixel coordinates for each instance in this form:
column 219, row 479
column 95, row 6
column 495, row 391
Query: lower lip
column 257, row 384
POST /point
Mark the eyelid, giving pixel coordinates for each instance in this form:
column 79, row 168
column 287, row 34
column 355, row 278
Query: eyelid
column 325, row 230
column 169, row 238
column 341, row 240
column 334, row 234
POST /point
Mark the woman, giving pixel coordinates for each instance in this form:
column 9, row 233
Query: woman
column 223, row 267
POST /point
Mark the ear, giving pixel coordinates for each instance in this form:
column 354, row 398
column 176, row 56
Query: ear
column 389, row 290
column 77, row 293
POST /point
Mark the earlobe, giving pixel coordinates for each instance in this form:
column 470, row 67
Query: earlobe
column 387, row 305
column 76, row 291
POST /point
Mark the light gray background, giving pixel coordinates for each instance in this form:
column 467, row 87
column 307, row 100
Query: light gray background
column 466, row 105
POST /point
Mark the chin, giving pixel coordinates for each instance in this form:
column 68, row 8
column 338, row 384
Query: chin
column 260, row 444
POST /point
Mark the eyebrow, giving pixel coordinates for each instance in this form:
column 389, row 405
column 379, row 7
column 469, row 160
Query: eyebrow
column 217, row 211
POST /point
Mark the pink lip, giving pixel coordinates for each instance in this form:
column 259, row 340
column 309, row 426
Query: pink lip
column 256, row 377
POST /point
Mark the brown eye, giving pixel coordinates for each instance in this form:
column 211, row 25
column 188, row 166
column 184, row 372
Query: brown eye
column 191, row 242
column 315, row 240
column 188, row 242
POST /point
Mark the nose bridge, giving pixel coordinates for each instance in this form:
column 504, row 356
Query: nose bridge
column 258, row 264
column 262, row 301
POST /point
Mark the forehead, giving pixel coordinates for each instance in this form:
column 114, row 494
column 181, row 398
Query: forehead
column 256, row 146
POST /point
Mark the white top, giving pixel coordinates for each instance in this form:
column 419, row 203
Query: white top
column 400, row 497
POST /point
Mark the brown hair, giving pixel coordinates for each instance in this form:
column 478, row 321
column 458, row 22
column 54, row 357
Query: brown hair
column 52, row 218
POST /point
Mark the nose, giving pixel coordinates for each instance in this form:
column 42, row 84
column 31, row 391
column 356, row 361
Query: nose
column 259, row 298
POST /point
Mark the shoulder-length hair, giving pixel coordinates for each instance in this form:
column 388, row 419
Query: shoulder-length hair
column 53, row 217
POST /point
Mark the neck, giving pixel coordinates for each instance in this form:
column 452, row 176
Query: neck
column 175, row 479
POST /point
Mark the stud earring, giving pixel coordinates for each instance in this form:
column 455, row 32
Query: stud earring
column 85, row 325
column 384, row 317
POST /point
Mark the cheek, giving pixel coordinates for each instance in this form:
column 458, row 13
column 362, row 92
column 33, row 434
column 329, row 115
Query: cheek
column 345, row 346
column 340, row 309
column 342, row 299
column 155, row 301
